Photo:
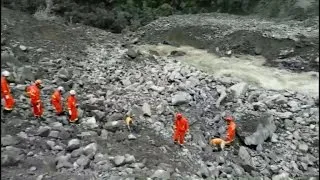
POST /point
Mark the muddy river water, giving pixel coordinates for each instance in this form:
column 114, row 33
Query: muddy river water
column 247, row 68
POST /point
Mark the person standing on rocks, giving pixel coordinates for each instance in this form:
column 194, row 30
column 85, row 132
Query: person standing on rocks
column 181, row 128
column 56, row 100
column 72, row 107
column 6, row 93
column 34, row 93
column 231, row 133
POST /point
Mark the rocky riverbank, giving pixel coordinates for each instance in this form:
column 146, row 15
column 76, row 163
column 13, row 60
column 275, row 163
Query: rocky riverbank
column 285, row 44
column 277, row 133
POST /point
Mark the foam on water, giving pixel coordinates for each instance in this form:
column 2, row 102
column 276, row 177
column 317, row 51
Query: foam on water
column 247, row 68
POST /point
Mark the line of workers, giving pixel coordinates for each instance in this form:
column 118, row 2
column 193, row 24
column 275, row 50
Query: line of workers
column 181, row 124
column 34, row 93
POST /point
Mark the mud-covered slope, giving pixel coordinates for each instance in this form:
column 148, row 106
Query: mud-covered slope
column 111, row 80
column 286, row 44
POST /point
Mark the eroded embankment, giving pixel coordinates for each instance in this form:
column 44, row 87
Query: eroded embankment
column 287, row 45
column 245, row 67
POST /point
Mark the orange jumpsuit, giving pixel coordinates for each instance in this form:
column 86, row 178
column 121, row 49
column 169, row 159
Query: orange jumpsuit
column 34, row 94
column 181, row 127
column 231, row 133
column 56, row 101
column 6, row 94
column 72, row 108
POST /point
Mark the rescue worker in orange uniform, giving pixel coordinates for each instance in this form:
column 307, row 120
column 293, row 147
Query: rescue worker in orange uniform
column 72, row 107
column 56, row 100
column 231, row 133
column 5, row 92
column 34, row 93
column 181, row 128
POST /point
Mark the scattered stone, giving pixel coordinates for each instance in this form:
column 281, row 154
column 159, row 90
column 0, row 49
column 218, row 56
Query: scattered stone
column 119, row 160
column 132, row 137
column 90, row 122
column 146, row 109
column 303, row 147
column 129, row 159
column 244, row 155
column 73, row 144
column 161, row 174
column 9, row 140
column 113, row 126
column 44, row 131
column 51, row 144
column 83, row 161
column 23, row 48
column 238, row 89
column 54, row 134
column 132, row 53
column 181, row 98
column 90, row 149
column 177, row 53
column 99, row 115
column 104, row 134
column 254, row 128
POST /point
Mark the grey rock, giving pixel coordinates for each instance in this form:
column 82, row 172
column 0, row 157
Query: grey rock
column 99, row 115
column 177, row 53
column 64, row 74
column 116, row 117
column 83, row 161
column 77, row 153
column 54, row 134
column 282, row 176
column 113, row 126
column 11, row 156
column 157, row 88
column 73, row 144
column 119, row 160
column 132, row 53
column 146, row 109
column 23, row 48
column 259, row 148
column 24, row 74
column 288, row 123
column 9, row 140
column 244, row 154
column 204, row 172
column 238, row 89
column 129, row 159
column 181, row 98
column 44, row 131
column 161, row 174
column 199, row 139
column 63, row 162
column 132, row 137
column 254, row 128
column 90, row 122
column 285, row 115
column 303, row 147
column 51, row 144
column 90, row 149
column 294, row 106
column 104, row 134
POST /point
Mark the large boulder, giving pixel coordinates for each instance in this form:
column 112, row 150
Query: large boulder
column 254, row 128
column 24, row 73
column 181, row 98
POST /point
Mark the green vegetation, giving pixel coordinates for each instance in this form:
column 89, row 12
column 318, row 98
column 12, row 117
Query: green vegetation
column 118, row 15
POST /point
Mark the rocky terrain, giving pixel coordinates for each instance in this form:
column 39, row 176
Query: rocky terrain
column 277, row 130
column 290, row 45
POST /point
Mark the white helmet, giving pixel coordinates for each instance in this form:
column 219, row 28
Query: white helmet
column 60, row 88
column 5, row 73
column 73, row 92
